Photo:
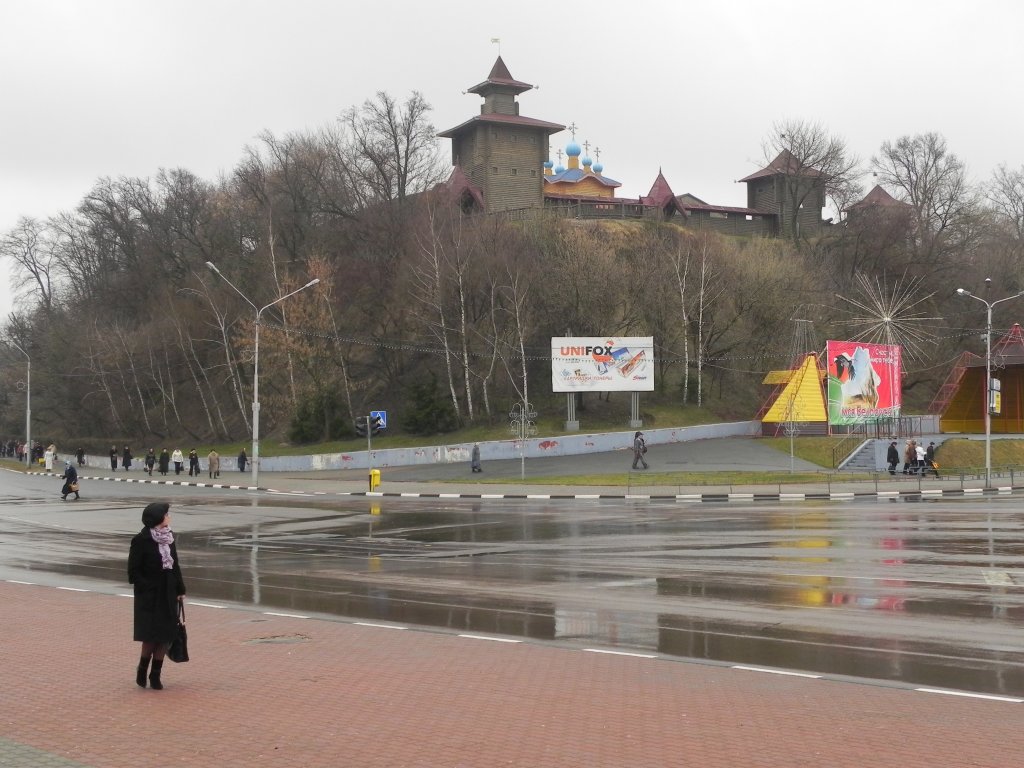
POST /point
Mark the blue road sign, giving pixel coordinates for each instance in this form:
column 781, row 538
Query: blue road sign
column 382, row 415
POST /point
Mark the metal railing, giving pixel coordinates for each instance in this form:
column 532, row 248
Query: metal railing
column 842, row 449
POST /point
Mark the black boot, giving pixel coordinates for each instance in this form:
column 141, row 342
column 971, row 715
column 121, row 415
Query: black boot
column 140, row 673
column 154, row 676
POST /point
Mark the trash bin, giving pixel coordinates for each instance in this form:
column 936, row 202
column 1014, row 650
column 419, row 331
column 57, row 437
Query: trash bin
column 374, row 478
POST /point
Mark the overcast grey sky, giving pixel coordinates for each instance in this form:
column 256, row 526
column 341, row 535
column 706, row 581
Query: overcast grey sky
column 94, row 88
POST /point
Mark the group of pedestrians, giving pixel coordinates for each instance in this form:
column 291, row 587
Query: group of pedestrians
column 16, row 449
column 165, row 461
column 917, row 459
column 152, row 461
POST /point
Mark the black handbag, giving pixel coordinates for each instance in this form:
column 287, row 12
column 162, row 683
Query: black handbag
column 178, row 652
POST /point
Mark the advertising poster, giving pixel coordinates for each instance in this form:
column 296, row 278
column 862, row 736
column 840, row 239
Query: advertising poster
column 602, row 364
column 863, row 382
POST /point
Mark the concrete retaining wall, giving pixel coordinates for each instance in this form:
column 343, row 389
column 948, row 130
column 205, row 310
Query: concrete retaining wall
column 565, row 445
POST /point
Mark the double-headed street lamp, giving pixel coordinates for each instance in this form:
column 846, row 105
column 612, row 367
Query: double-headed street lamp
column 255, row 459
column 28, row 404
column 988, row 375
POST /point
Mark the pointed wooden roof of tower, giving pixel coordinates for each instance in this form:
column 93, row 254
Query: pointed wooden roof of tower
column 660, row 192
column 878, row 197
column 803, row 397
column 502, row 78
column 500, row 81
column 784, row 164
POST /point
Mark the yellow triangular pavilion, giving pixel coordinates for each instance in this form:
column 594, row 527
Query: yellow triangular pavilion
column 802, row 399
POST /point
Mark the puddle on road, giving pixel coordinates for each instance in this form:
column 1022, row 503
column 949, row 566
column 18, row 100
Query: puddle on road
column 918, row 663
column 672, row 634
column 455, row 568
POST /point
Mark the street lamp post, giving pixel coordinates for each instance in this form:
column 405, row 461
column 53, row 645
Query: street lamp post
column 255, row 459
column 28, row 405
column 988, row 375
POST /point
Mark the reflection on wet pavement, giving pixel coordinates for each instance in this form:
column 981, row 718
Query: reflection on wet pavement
column 931, row 593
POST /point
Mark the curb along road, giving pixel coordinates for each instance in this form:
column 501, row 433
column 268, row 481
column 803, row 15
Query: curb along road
column 459, row 491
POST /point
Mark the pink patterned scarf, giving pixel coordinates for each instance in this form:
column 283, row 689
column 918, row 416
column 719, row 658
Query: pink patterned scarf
column 164, row 538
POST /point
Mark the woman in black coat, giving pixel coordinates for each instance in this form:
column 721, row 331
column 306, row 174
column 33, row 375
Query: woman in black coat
column 155, row 573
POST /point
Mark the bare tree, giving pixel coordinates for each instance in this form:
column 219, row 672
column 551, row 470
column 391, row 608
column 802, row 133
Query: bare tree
column 934, row 181
column 393, row 150
column 429, row 278
column 1006, row 193
column 814, row 166
column 28, row 246
column 680, row 262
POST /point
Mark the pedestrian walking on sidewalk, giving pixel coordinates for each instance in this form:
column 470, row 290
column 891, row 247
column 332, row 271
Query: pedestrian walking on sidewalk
column 213, row 464
column 193, row 463
column 909, row 457
column 474, row 458
column 155, row 574
column 920, row 451
column 70, row 478
column 242, row 459
column 929, row 459
column 892, row 457
column 179, row 460
column 639, row 449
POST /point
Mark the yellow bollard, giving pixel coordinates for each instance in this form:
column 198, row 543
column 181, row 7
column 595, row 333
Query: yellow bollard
column 374, row 478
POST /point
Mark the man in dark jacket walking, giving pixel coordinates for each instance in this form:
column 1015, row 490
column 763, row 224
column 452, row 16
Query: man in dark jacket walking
column 639, row 449
column 893, row 457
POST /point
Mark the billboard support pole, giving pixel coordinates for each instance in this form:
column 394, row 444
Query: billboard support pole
column 634, row 409
column 571, row 423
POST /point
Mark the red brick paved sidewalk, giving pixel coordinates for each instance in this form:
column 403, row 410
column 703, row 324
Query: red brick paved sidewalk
column 329, row 693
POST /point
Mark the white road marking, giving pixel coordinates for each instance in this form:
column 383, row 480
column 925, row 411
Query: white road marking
column 73, row 589
column 27, row 583
column 971, row 695
column 204, row 605
column 775, row 671
column 622, row 653
column 379, row 626
column 285, row 615
column 492, row 639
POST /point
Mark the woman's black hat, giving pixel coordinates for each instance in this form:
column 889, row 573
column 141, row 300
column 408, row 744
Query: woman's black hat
column 155, row 513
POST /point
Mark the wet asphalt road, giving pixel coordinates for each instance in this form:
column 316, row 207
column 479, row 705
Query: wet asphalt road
column 929, row 592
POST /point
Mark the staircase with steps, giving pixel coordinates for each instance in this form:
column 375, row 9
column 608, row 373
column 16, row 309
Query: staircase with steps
column 869, row 456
